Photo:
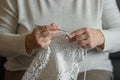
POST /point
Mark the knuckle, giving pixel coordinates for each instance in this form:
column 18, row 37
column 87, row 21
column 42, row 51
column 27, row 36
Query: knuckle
column 41, row 45
column 87, row 29
column 91, row 45
column 78, row 37
column 35, row 30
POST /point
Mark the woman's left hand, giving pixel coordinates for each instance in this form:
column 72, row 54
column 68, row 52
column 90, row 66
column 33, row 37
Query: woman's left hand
column 87, row 37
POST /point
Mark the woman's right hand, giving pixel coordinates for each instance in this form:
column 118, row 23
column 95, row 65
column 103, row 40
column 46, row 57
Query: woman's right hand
column 40, row 37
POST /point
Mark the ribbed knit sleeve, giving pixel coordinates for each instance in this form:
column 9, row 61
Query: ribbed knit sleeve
column 11, row 43
column 111, row 25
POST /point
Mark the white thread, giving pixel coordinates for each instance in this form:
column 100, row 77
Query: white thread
column 85, row 59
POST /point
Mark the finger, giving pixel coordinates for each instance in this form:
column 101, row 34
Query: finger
column 77, row 32
column 42, row 32
column 48, row 27
column 42, row 42
column 52, row 29
column 45, row 39
column 44, row 45
column 81, row 37
column 83, row 43
column 86, row 44
column 86, row 47
column 72, row 39
column 54, row 32
column 48, row 30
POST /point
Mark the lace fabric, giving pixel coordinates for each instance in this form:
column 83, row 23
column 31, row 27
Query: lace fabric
column 67, row 57
column 37, row 65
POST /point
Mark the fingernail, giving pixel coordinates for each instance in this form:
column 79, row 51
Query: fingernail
column 67, row 37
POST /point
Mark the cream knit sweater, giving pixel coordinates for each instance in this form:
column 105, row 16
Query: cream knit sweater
column 17, row 18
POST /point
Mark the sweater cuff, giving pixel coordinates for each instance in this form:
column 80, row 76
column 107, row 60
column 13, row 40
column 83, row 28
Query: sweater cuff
column 108, row 41
column 21, row 46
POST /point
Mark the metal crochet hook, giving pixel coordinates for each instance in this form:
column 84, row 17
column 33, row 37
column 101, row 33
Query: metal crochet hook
column 67, row 36
column 64, row 31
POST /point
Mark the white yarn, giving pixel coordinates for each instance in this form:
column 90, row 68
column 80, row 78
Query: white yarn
column 85, row 59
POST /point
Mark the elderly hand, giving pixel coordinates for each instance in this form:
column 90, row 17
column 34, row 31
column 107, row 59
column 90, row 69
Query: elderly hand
column 87, row 37
column 40, row 37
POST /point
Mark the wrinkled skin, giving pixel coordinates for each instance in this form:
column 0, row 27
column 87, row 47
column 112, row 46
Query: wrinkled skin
column 87, row 38
column 40, row 37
